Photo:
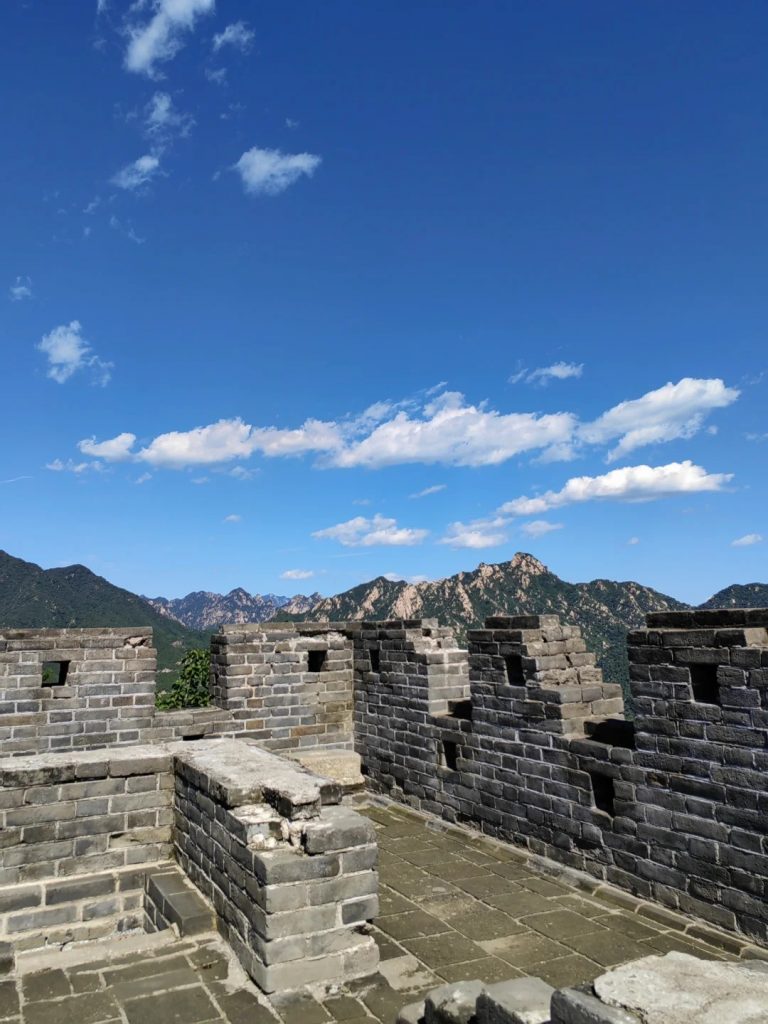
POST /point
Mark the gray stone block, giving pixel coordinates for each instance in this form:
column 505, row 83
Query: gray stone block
column 519, row 1001
column 454, row 1003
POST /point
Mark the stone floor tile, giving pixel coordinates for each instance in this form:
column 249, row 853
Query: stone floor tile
column 243, row 1007
column 520, row 904
column 449, row 948
column 85, row 982
column 545, row 887
column 89, row 1008
column 412, row 924
column 671, row 942
column 582, row 906
column 630, row 925
column 9, row 999
column 141, row 968
column 559, row 924
column 391, row 902
column 50, row 984
column 408, row 880
column 483, row 923
column 388, row 949
column 608, row 947
column 301, row 1010
column 384, row 1002
column 344, row 1008
column 210, row 963
column 184, row 1006
column 526, row 951
column 135, row 988
column 488, row 970
column 567, row 971
column 511, row 869
column 484, row 885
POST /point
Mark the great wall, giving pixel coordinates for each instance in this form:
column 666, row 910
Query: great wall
column 259, row 818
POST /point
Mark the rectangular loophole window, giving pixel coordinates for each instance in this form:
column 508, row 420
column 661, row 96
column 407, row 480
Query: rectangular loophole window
column 515, row 674
column 55, row 673
column 603, row 792
column 449, row 755
column 316, row 660
column 706, row 689
column 375, row 658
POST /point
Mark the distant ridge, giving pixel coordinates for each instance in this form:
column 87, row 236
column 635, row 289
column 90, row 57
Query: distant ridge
column 740, row 595
column 204, row 610
column 75, row 596
column 604, row 609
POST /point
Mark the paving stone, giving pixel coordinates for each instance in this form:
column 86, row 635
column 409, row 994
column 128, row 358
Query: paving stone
column 525, row 951
column 522, row 1001
column 387, row 948
column 391, row 902
column 560, row 924
column 301, row 1010
column 9, row 999
column 142, row 967
column 453, row 868
column 482, row 923
column 607, row 947
column 449, row 948
column 183, row 1006
column 489, row 970
column 520, row 904
column 343, row 1008
column 412, row 924
column 50, row 984
column 545, row 887
column 89, row 1008
column 243, row 1007
column 152, row 983
column 567, row 971
column 211, row 964
column 630, row 926
column 484, row 885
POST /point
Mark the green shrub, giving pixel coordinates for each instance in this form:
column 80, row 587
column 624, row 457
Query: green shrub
column 190, row 690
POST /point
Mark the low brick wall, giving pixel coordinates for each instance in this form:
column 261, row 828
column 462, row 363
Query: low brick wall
column 76, row 833
column 290, row 873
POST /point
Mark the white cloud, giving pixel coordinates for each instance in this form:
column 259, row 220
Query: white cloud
column 671, row 412
column 115, row 449
column 544, row 374
column 435, row 489
column 163, row 122
column 233, row 519
column 538, row 527
column 238, row 35
column 480, row 533
column 22, row 289
column 70, row 466
column 138, row 173
column 747, row 540
column 269, row 172
column 217, row 75
column 68, row 352
column 633, row 541
column 631, row 483
column 143, row 478
column 454, row 433
column 297, row 574
column 757, row 437
column 361, row 532
column 159, row 39
column 125, row 229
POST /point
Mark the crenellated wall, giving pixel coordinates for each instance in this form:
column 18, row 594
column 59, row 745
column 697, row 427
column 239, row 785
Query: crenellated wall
column 671, row 806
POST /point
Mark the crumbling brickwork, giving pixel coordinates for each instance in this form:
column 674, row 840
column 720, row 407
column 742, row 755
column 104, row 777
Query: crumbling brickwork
column 290, row 873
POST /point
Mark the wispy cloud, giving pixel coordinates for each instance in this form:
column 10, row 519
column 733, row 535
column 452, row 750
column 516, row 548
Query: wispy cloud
column 434, row 489
column 539, row 527
column 633, row 541
column 143, row 478
column 747, row 540
column 269, row 172
column 632, row 483
column 163, row 121
column 361, row 532
column 297, row 574
column 68, row 352
column 543, row 375
column 237, row 35
column 480, row 533
column 138, row 173
column 21, row 289
column 15, row 479
column 126, row 228
column 70, row 466
column 158, row 40
column 234, row 518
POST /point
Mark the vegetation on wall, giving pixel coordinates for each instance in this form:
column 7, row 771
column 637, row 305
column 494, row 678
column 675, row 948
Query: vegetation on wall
column 190, row 690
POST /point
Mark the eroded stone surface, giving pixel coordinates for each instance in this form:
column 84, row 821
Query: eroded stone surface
column 681, row 989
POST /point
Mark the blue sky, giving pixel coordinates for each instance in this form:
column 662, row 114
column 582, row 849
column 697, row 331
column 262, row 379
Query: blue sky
column 298, row 294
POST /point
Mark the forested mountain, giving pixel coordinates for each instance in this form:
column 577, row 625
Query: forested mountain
column 75, row 596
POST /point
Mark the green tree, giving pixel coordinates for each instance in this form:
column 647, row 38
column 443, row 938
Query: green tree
column 190, row 690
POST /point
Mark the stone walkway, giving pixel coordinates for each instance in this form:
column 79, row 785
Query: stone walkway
column 454, row 906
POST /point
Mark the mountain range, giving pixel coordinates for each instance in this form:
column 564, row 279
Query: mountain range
column 605, row 609
column 205, row 610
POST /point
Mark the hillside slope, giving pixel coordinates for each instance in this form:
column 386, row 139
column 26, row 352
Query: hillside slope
column 740, row 595
column 75, row 596
column 604, row 609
